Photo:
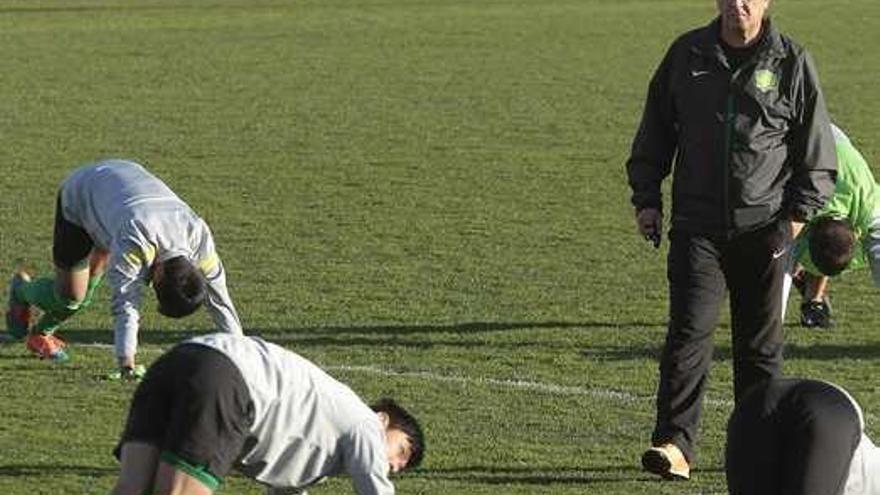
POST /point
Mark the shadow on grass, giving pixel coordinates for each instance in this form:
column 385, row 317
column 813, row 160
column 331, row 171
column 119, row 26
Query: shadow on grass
column 475, row 474
column 327, row 334
column 538, row 475
column 55, row 469
column 828, row 352
column 451, row 336
column 722, row 353
column 10, row 357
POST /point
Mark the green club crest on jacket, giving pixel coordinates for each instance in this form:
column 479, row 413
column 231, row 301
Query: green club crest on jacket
column 765, row 80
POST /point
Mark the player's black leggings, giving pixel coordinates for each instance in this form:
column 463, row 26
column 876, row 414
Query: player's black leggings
column 791, row 437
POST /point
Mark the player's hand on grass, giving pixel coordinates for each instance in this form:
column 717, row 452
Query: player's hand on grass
column 128, row 374
column 127, row 371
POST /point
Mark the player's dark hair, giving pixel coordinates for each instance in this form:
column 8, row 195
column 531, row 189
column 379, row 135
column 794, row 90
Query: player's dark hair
column 832, row 244
column 180, row 289
column 402, row 420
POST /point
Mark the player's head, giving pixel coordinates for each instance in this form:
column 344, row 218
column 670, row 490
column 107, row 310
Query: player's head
column 832, row 244
column 179, row 286
column 404, row 440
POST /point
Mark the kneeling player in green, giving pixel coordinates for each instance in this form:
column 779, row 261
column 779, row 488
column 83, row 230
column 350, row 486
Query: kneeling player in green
column 844, row 235
column 115, row 218
column 220, row 401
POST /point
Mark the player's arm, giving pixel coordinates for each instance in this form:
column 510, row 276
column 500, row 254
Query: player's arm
column 857, row 198
column 366, row 461
column 872, row 248
column 653, row 148
column 126, row 274
column 218, row 303
column 372, row 484
column 812, row 151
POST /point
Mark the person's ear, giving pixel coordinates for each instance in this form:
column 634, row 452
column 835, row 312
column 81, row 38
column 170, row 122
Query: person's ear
column 155, row 272
column 384, row 419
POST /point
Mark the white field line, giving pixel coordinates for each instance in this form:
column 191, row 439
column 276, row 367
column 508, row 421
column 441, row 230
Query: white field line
column 542, row 387
column 532, row 386
column 98, row 345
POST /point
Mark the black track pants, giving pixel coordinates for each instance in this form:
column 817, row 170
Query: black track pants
column 701, row 270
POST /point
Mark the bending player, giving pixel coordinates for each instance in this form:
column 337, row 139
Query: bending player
column 115, row 218
column 221, row 400
column 790, row 435
column 844, row 235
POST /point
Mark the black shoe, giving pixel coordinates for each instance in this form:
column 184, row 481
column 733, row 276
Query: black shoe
column 816, row 314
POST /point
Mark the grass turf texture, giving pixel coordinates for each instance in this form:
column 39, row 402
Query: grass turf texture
column 426, row 197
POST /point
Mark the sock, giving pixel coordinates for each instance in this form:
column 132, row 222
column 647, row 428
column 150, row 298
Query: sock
column 94, row 283
column 41, row 293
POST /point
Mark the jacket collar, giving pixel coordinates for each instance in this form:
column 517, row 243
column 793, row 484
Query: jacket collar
column 708, row 43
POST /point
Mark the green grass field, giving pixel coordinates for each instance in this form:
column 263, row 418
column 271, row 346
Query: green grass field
column 427, row 198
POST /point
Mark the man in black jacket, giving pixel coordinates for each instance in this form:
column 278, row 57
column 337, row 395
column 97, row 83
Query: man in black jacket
column 738, row 107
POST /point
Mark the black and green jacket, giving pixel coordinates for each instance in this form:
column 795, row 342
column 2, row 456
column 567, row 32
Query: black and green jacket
column 750, row 146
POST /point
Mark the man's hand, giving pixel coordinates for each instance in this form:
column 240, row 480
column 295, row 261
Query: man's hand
column 796, row 228
column 650, row 224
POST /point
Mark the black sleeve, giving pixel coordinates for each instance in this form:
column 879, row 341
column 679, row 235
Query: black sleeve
column 655, row 142
column 813, row 155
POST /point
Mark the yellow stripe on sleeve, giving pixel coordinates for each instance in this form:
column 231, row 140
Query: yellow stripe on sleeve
column 133, row 258
column 209, row 263
column 138, row 257
column 149, row 254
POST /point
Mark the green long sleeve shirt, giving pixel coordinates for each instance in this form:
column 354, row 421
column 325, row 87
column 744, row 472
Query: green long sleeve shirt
column 856, row 198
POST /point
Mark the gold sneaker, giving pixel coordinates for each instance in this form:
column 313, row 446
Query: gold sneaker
column 666, row 461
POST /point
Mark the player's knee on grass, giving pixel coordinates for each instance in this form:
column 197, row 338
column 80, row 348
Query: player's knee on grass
column 178, row 475
column 180, row 287
column 138, row 469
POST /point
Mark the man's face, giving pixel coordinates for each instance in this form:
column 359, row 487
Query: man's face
column 398, row 449
column 742, row 15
